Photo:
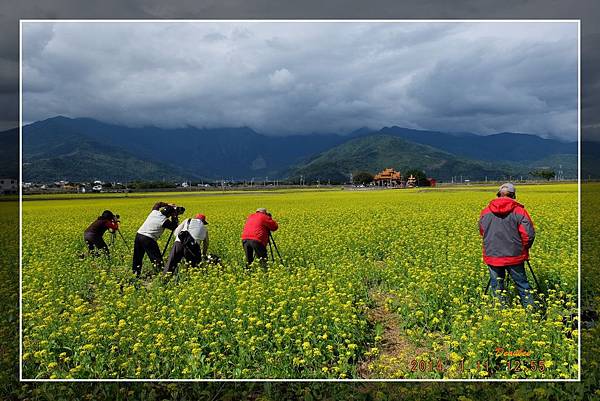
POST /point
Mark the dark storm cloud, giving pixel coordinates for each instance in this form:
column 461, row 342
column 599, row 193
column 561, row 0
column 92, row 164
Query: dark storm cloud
column 283, row 77
column 587, row 10
column 12, row 10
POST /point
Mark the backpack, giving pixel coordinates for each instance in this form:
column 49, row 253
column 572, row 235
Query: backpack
column 185, row 237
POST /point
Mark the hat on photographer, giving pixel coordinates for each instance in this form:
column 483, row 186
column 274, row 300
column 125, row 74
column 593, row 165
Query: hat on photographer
column 201, row 217
column 107, row 215
column 507, row 189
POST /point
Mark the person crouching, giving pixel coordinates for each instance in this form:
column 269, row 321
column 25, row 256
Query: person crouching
column 188, row 236
column 93, row 235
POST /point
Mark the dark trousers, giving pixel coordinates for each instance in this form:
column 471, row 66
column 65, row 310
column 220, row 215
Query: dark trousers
column 252, row 247
column 179, row 251
column 517, row 272
column 95, row 242
column 145, row 245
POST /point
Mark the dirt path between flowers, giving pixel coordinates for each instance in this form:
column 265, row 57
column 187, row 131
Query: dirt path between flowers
column 395, row 350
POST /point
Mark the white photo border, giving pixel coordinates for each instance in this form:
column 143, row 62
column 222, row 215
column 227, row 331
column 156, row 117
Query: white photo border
column 22, row 21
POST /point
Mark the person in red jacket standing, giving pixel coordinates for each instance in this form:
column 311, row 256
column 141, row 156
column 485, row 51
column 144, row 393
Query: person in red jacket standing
column 255, row 235
column 508, row 233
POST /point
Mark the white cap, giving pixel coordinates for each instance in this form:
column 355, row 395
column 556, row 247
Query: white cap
column 508, row 187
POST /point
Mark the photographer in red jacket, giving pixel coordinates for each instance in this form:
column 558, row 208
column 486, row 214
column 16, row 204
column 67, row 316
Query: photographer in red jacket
column 508, row 233
column 255, row 235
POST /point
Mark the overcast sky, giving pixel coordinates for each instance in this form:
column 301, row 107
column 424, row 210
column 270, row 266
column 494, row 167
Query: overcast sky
column 302, row 77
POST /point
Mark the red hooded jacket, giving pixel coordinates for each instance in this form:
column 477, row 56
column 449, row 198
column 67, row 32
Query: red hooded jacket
column 507, row 232
column 258, row 225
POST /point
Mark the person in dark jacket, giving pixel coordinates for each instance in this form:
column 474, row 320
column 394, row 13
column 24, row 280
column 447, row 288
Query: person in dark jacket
column 93, row 235
column 163, row 215
column 255, row 235
column 508, row 233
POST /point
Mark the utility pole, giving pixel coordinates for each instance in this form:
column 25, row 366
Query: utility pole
column 560, row 173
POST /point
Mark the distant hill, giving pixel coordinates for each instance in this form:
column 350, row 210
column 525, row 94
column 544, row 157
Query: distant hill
column 66, row 155
column 62, row 147
column 220, row 153
column 568, row 164
column 375, row 152
column 505, row 146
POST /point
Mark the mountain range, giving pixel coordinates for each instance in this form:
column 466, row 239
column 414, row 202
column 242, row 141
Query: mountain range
column 374, row 152
column 85, row 149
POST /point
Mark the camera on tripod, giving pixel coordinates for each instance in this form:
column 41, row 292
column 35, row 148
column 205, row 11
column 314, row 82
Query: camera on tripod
column 113, row 233
column 173, row 211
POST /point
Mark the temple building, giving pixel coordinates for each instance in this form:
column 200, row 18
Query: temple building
column 388, row 178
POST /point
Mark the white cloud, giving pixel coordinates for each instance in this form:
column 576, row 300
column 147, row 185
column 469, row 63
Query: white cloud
column 282, row 77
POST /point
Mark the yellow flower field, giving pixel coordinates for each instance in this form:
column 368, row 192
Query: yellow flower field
column 376, row 284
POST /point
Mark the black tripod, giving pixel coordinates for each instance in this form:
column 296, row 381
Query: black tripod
column 167, row 244
column 168, row 240
column 113, row 235
column 272, row 241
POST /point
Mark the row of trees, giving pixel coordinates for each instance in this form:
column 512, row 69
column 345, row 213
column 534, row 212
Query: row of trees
column 543, row 173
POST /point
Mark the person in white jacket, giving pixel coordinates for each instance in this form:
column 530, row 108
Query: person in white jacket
column 163, row 215
column 189, row 248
